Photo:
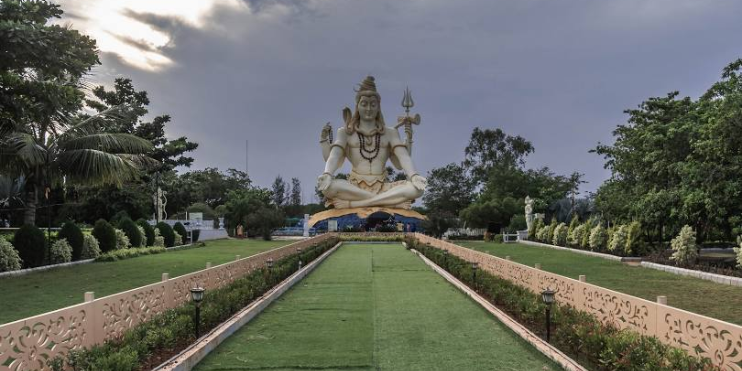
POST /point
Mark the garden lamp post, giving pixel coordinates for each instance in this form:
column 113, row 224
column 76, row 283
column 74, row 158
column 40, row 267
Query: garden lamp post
column 474, row 267
column 197, row 295
column 445, row 258
column 270, row 264
column 548, row 297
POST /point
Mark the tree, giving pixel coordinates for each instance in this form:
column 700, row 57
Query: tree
column 449, row 189
column 489, row 148
column 44, row 139
column 438, row 222
column 133, row 103
column 279, row 191
column 295, row 197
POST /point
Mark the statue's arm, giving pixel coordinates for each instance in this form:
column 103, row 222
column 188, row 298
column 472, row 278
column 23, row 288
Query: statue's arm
column 400, row 150
column 337, row 153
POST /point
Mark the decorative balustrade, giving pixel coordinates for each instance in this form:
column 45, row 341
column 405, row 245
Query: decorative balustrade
column 27, row 344
column 699, row 335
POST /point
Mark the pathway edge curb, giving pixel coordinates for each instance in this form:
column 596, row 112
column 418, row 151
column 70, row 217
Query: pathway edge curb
column 193, row 354
column 545, row 348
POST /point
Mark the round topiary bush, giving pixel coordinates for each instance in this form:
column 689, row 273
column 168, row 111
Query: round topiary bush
column 30, row 243
column 195, row 234
column 159, row 240
column 167, row 233
column 60, row 252
column 72, row 233
column 180, row 228
column 149, row 232
column 9, row 259
column 90, row 248
column 105, row 234
column 132, row 232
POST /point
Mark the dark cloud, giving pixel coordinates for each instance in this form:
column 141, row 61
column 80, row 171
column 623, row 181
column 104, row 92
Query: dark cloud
column 558, row 73
column 167, row 24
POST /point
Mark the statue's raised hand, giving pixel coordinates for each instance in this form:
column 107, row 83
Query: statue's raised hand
column 323, row 182
column 419, row 182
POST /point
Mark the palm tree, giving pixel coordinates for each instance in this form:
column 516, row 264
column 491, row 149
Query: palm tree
column 54, row 152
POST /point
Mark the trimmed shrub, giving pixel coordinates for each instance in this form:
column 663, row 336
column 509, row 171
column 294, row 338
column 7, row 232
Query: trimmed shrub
column 517, row 223
column 122, row 241
column 60, row 252
column 684, row 246
column 178, row 239
column 574, row 238
column 132, row 232
column 90, row 248
column 560, row 235
column 634, row 244
column 143, row 236
column 572, row 225
column 167, row 233
column 9, row 259
column 738, row 250
column 541, row 233
column 30, row 243
column 585, row 241
column 497, row 238
column 159, row 240
column 619, row 239
column 552, row 228
column 535, row 227
column 195, row 234
column 180, row 228
column 72, row 233
column 598, row 238
column 105, row 234
column 149, row 232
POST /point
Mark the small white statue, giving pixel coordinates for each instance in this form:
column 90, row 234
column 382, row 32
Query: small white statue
column 529, row 212
column 368, row 144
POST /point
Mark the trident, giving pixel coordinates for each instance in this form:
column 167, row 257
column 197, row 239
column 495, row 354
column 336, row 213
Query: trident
column 406, row 120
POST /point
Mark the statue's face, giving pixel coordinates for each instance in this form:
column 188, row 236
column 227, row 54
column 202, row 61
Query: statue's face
column 368, row 108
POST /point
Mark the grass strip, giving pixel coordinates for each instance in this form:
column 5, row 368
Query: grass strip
column 370, row 307
column 691, row 294
column 44, row 291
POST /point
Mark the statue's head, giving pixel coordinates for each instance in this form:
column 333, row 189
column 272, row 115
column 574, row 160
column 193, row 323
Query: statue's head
column 368, row 106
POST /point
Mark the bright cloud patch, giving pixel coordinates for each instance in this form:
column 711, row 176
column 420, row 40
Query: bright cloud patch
column 138, row 43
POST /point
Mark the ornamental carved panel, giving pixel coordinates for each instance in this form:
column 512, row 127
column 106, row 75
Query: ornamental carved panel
column 619, row 310
column 566, row 289
column 121, row 312
column 705, row 337
column 28, row 344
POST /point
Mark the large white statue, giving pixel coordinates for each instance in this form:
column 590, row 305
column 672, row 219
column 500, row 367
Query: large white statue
column 529, row 212
column 368, row 143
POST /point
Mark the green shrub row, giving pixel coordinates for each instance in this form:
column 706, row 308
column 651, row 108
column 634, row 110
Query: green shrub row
column 173, row 329
column 133, row 252
column 579, row 334
column 360, row 237
column 621, row 240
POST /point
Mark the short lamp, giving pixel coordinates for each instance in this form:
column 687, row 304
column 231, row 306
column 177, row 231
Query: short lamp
column 548, row 296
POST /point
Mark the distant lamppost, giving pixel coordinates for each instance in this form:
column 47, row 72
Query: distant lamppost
column 270, row 263
column 548, row 297
column 197, row 295
column 445, row 258
column 474, row 267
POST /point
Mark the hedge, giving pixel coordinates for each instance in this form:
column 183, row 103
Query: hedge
column 72, row 233
column 148, row 231
column 30, row 243
column 105, row 234
column 132, row 232
column 180, row 228
column 167, row 233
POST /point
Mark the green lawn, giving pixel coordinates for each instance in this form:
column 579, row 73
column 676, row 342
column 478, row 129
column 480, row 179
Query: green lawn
column 40, row 292
column 692, row 294
column 374, row 307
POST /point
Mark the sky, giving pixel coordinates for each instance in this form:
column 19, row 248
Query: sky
column 273, row 72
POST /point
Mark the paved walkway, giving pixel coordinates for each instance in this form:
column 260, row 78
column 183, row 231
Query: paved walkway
column 374, row 307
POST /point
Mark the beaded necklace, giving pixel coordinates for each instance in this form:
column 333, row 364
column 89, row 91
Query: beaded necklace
column 369, row 152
